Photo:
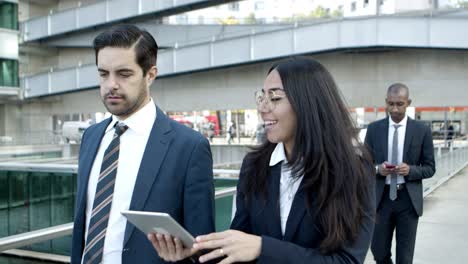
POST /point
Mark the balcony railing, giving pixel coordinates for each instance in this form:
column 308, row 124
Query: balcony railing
column 105, row 12
column 389, row 31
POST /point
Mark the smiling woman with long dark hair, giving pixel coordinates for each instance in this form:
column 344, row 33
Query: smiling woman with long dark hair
column 306, row 195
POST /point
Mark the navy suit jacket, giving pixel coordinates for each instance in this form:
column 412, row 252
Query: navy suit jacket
column 303, row 234
column 418, row 153
column 175, row 176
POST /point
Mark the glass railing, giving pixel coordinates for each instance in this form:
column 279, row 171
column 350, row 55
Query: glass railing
column 34, row 197
column 449, row 161
column 35, row 200
column 41, row 196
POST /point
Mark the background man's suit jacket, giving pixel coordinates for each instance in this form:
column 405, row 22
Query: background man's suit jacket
column 418, row 153
column 175, row 176
column 303, row 233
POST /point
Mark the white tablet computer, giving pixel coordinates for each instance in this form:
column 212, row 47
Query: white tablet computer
column 154, row 222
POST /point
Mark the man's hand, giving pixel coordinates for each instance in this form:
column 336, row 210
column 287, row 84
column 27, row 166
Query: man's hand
column 403, row 169
column 384, row 170
column 170, row 248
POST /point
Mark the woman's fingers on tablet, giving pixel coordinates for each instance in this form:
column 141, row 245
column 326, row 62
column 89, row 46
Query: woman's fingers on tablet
column 213, row 240
column 213, row 236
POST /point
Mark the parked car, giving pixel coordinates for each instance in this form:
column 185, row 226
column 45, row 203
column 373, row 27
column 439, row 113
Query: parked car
column 72, row 131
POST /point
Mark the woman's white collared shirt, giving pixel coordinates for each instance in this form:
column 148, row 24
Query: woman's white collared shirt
column 288, row 185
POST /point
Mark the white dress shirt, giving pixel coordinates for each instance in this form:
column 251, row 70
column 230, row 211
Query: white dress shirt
column 288, row 185
column 132, row 146
column 401, row 144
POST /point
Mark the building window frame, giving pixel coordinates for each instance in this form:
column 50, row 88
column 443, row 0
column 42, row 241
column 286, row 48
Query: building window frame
column 9, row 73
column 9, row 15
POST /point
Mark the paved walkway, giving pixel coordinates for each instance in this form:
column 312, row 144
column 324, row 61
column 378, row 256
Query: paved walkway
column 443, row 229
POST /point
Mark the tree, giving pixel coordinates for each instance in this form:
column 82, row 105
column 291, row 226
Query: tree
column 320, row 12
column 250, row 19
column 463, row 4
column 337, row 13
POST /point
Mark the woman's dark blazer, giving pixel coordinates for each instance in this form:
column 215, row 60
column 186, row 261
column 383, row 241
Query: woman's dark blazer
column 303, row 234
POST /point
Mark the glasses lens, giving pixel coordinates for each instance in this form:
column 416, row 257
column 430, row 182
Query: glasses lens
column 267, row 100
column 259, row 97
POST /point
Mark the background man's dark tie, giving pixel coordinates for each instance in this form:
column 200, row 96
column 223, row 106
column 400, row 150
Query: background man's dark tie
column 394, row 161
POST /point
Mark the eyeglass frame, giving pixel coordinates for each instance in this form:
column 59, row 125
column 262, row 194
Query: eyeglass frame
column 272, row 96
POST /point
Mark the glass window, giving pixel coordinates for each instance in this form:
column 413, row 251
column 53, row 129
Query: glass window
column 259, row 5
column 8, row 15
column 234, row 6
column 8, row 73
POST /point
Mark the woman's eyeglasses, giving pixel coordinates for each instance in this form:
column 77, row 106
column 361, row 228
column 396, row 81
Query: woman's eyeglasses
column 269, row 99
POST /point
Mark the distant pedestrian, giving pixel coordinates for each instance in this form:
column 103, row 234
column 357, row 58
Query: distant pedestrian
column 260, row 134
column 450, row 135
column 230, row 132
column 210, row 131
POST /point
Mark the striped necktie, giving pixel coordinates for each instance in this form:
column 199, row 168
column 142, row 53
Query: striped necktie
column 103, row 200
column 394, row 161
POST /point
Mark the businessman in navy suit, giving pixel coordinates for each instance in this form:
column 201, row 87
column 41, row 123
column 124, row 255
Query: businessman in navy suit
column 410, row 143
column 138, row 159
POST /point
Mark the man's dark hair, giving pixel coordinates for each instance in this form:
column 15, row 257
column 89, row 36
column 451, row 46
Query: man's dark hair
column 127, row 36
column 398, row 88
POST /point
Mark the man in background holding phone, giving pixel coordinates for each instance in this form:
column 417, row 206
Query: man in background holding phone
column 403, row 152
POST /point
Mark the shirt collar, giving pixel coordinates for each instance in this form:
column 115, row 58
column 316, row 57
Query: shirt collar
column 141, row 121
column 402, row 122
column 278, row 155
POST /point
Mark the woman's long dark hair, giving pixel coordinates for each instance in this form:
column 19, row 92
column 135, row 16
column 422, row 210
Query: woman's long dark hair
column 336, row 168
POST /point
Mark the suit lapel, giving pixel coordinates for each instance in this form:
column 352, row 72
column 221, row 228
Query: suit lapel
column 408, row 138
column 273, row 189
column 384, row 138
column 298, row 209
column 94, row 139
column 155, row 151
